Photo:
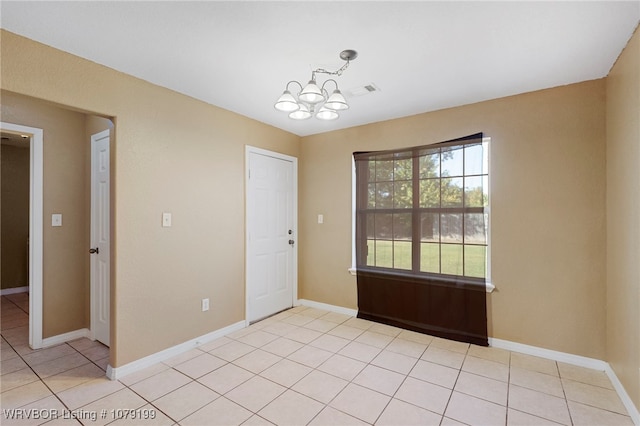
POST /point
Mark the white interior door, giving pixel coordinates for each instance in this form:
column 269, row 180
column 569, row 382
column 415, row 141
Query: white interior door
column 100, row 247
column 271, row 236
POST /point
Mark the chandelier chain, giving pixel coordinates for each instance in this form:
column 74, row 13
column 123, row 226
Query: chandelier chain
column 324, row 71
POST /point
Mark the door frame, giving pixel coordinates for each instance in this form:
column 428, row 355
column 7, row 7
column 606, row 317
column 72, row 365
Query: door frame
column 36, row 220
column 93, row 296
column 253, row 150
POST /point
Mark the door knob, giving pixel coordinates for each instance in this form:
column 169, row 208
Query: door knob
column 291, row 242
column 94, row 250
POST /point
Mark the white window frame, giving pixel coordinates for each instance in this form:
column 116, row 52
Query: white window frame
column 353, row 270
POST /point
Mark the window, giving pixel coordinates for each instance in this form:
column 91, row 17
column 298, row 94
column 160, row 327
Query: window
column 424, row 210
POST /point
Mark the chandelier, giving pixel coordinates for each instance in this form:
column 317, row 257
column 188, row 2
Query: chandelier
column 313, row 99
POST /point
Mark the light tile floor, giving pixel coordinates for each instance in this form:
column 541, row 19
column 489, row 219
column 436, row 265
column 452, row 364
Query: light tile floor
column 303, row 366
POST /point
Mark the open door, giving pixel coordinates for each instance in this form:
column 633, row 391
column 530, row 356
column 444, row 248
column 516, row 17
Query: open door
column 100, row 245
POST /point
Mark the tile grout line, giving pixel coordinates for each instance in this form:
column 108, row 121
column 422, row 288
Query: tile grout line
column 31, row 368
column 40, row 378
column 564, row 392
column 332, row 354
column 508, row 390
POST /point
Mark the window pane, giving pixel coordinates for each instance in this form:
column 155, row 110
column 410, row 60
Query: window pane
column 474, row 192
column 403, row 194
column 430, row 166
column 475, row 228
column 383, row 226
column 371, row 226
column 474, row 160
column 402, row 226
column 371, row 252
column 430, row 258
column 402, row 254
column 452, row 161
column 384, row 254
column 485, row 190
column 430, row 227
column 475, row 261
column 384, row 195
column 430, row 193
column 403, row 169
column 371, row 177
column 384, row 170
column 451, row 227
column 371, row 196
column 451, row 259
column 451, row 192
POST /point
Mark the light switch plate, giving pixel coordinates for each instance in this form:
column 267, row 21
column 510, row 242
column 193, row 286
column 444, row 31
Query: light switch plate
column 56, row 219
column 166, row 220
column 320, row 218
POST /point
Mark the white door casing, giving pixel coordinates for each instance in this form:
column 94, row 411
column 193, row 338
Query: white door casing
column 36, row 223
column 271, row 203
column 100, row 238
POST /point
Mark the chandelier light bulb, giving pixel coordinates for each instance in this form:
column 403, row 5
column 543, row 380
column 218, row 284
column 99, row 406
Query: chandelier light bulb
column 311, row 93
column 287, row 102
column 327, row 114
column 336, row 101
column 301, row 114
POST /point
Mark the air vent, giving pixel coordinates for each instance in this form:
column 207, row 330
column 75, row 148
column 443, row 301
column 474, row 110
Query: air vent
column 362, row 90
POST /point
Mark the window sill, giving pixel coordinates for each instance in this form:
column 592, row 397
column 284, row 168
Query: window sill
column 489, row 286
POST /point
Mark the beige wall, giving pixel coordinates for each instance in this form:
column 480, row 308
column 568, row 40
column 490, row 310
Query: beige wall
column 547, row 202
column 15, row 216
column 623, row 213
column 64, row 260
column 172, row 154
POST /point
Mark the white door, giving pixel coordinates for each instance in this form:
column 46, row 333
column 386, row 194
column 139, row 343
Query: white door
column 100, row 247
column 271, row 237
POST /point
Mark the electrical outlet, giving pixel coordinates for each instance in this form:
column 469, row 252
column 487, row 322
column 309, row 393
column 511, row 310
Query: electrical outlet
column 205, row 305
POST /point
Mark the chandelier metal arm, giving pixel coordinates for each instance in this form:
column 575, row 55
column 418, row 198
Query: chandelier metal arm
column 323, row 84
column 296, row 82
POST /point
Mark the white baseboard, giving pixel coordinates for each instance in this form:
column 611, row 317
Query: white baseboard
column 580, row 361
column 115, row 373
column 14, row 290
column 596, row 364
column 624, row 396
column 327, row 307
column 66, row 337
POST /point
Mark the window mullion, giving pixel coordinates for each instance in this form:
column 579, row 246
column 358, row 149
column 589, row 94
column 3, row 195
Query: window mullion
column 462, row 218
column 415, row 214
column 440, row 212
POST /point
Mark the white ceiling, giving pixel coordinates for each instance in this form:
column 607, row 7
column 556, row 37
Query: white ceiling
column 422, row 55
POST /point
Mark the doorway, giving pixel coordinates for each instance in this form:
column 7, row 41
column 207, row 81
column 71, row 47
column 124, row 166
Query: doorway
column 35, row 246
column 271, row 233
